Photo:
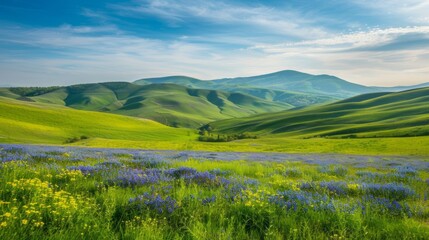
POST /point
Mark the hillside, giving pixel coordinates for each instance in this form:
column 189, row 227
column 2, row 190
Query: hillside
column 371, row 115
column 169, row 104
column 29, row 122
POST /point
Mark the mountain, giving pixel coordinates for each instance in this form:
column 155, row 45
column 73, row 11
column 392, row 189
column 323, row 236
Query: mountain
column 300, row 82
column 370, row 115
column 30, row 122
column 169, row 104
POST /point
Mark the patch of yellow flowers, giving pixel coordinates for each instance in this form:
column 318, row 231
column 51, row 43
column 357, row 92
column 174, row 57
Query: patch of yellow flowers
column 138, row 222
column 255, row 199
column 38, row 198
column 69, row 175
column 281, row 181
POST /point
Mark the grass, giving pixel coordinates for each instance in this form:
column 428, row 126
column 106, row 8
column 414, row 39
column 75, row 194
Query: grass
column 416, row 146
column 60, row 193
column 42, row 123
column 373, row 115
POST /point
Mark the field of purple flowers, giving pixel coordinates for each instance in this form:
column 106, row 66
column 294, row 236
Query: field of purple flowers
column 86, row 193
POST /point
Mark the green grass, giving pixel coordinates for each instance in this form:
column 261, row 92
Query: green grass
column 42, row 198
column 375, row 115
column 27, row 122
column 416, row 146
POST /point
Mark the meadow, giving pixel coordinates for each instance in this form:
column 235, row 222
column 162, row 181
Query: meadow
column 50, row 192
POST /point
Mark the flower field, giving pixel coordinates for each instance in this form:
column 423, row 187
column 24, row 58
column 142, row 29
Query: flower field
column 84, row 193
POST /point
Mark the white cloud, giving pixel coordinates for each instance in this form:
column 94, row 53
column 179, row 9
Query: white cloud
column 90, row 54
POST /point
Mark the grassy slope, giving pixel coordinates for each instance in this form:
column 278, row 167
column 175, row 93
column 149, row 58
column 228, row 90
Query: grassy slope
column 373, row 115
column 166, row 103
column 41, row 123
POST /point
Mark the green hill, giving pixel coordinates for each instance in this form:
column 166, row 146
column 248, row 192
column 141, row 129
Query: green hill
column 370, row 115
column 29, row 122
column 169, row 104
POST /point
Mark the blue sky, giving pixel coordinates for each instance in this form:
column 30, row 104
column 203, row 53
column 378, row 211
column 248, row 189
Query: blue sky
column 371, row 42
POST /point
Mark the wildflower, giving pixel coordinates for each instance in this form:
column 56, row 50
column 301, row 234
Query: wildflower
column 392, row 191
column 39, row 224
column 24, row 221
column 153, row 202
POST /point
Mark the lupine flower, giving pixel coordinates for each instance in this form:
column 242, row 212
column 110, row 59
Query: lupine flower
column 295, row 201
column 208, row 200
column 87, row 170
column 134, row 177
column 180, row 172
column 153, row 202
column 392, row 191
column 385, row 206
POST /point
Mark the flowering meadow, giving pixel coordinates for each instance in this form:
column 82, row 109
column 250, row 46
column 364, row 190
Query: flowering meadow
column 86, row 193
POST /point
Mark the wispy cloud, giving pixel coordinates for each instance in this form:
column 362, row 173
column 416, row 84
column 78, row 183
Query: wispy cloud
column 208, row 40
column 267, row 19
column 361, row 39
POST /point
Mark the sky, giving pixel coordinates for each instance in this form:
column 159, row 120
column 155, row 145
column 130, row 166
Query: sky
column 370, row 42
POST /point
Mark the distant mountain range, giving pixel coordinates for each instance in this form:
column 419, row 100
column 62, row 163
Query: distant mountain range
column 398, row 114
column 318, row 87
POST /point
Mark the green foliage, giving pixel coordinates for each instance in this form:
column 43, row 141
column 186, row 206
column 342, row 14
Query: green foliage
column 208, row 137
column 32, row 91
column 76, row 139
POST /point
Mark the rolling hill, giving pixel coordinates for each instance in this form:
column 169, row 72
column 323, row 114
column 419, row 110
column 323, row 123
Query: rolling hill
column 397, row 114
column 288, row 81
column 297, row 96
column 29, row 122
column 169, row 104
